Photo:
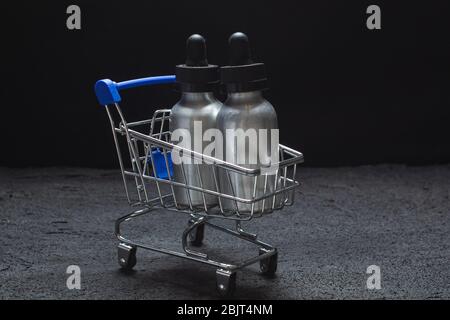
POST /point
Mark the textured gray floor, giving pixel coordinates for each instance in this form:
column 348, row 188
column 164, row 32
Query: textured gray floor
column 345, row 219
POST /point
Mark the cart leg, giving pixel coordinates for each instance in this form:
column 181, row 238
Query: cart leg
column 196, row 235
column 268, row 265
column 126, row 256
column 243, row 233
column 226, row 282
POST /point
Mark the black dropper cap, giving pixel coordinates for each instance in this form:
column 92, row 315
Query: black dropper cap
column 242, row 74
column 196, row 75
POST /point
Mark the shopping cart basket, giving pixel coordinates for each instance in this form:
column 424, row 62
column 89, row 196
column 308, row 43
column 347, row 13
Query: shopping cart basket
column 149, row 149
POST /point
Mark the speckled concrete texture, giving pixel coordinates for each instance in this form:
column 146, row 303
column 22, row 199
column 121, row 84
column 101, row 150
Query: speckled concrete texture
column 344, row 220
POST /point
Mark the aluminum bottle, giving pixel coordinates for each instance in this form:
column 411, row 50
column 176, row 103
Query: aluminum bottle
column 245, row 108
column 198, row 108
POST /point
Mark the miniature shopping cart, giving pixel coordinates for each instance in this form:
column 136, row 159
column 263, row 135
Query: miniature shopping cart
column 149, row 165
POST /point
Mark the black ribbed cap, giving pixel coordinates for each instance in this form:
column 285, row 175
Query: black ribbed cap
column 196, row 75
column 242, row 74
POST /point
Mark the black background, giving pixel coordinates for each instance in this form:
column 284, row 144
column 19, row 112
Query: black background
column 345, row 95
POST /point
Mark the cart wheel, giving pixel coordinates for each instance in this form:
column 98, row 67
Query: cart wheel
column 196, row 235
column 126, row 256
column 225, row 282
column 268, row 265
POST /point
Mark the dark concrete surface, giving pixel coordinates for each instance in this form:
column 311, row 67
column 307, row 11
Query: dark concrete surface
column 344, row 220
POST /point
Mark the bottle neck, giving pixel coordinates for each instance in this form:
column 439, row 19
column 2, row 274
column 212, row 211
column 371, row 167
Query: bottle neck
column 244, row 97
column 198, row 96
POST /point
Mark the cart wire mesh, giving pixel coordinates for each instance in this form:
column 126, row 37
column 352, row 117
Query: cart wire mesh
column 149, row 151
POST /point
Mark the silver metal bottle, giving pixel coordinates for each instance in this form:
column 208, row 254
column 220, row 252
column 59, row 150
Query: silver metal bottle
column 201, row 108
column 245, row 108
column 197, row 107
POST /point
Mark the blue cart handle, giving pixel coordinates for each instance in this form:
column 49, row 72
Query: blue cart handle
column 107, row 91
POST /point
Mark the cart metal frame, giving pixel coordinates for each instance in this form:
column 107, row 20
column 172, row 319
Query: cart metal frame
column 142, row 143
